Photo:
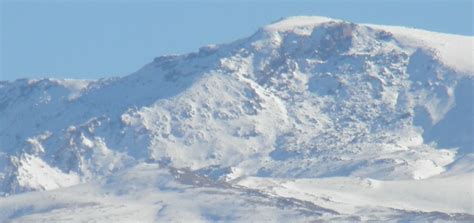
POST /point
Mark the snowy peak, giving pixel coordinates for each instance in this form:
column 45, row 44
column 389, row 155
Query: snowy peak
column 455, row 51
column 290, row 24
column 310, row 118
column 343, row 99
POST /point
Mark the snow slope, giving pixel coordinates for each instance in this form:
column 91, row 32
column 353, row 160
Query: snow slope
column 355, row 195
column 305, row 102
column 148, row 193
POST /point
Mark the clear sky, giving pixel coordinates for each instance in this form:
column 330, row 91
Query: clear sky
column 93, row 39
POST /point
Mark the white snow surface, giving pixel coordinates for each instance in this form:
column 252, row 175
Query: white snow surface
column 308, row 119
column 455, row 51
column 353, row 195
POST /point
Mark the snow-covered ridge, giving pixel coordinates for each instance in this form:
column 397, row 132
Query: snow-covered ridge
column 295, row 22
column 455, row 50
column 305, row 97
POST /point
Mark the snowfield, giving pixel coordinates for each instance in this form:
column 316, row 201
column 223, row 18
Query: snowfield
column 309, row 119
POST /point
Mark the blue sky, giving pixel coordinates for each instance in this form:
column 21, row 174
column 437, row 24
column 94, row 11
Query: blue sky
column 93, row 39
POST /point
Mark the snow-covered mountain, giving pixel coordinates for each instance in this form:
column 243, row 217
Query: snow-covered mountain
column 310, row 118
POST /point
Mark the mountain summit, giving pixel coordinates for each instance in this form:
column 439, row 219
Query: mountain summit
column 308, row 105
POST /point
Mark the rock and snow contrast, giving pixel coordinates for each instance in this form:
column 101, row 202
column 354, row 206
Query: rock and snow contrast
column 308, row 119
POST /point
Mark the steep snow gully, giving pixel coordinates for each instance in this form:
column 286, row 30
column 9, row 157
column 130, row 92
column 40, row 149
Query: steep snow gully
column 310, row 118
